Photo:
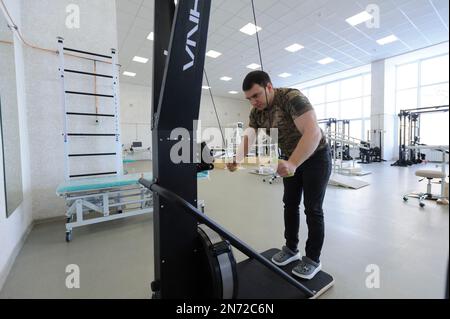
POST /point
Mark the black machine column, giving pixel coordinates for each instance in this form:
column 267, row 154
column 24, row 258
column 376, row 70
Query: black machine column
column 177, row 86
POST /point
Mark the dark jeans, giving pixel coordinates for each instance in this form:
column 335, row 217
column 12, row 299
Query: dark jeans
column 311, row 178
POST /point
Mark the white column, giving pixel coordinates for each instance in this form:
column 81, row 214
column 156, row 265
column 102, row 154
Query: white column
column 383, row 107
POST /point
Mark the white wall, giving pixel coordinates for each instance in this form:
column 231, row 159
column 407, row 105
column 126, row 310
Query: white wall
column 43, row 21
column 230, row 111
column 13, row 230
column 135, row 102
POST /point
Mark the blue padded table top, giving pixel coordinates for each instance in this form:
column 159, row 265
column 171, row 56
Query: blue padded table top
column 99, row 183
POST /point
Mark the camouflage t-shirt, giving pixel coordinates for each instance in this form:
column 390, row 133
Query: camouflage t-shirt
column 288, row 104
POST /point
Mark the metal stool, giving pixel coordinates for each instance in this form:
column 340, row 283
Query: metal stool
column 429, row 175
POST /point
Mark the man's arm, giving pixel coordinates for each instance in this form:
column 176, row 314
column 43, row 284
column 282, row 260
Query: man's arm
column 311, row 136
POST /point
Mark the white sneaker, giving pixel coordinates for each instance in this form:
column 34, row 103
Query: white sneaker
column 307, row 268
column 285, row 256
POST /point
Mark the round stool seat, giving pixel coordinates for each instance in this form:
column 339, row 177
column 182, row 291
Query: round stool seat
column 430, row 174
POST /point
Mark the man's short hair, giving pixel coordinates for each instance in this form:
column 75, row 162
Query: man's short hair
column 256, row 77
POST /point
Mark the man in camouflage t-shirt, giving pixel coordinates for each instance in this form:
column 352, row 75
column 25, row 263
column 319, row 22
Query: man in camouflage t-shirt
column 306, row 168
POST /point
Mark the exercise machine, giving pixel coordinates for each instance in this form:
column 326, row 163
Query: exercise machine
column 368, row 154
column 409, row 135
column 193, row 256
column 372, row 150
column 338, row 131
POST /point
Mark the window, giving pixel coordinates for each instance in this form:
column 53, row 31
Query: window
column 429, row 87
column 351, row 88
column 367, row 84
column 356, row 129
column 434, row 70
column 434, row 129
column 424, row 83
column 345, row 99
column 407, row 99
column 367, row 103
column 333, row 90
column 351, row 109
column 333, row 110
column 407, row 76
column 434, row 95
column 317, row 95
column 320, row 111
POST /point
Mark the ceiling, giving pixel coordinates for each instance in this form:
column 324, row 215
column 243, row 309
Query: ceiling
column 318, row 25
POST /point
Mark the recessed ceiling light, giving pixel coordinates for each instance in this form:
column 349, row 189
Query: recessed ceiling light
column 205, row 87
column 253, row 66
column 140, row 59
column 359, row 18
column 233, row 92
column 326, row 61
column 213, row 54
column 151, row 36
column 132, row 74
column 388, row 39
column 226, row 78
column 250, row 29
column 294, row 48
column 284, row 75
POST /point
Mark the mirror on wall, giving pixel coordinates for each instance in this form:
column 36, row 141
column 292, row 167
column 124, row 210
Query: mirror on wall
column 9, row 122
